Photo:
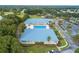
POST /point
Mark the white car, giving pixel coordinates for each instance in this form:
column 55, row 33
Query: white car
column 54, row 51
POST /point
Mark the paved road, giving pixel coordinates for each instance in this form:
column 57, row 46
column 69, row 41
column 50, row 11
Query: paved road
column 72, row 45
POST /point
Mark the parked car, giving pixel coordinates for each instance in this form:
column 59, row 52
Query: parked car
column 54, row 51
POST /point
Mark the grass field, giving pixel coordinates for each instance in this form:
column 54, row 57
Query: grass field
column 39, row 48
column 35, row 16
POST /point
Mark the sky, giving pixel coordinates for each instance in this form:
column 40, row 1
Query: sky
column 39, row 2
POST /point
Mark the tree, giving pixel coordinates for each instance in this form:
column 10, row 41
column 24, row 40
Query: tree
column 33, row 11
column 49, row 38
column 10, row 44
column 69, row 26
column 60, row 22
column 76, row 39
column 22, row 17
column 77, row 50
column 8, row 27
column 51, row 23
column 20, row 29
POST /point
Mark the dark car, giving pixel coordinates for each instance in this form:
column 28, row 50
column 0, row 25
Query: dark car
column 54, row 51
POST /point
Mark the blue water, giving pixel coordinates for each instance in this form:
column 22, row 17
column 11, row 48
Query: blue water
column 38, row 34
column 37, row 21
column 39, row 27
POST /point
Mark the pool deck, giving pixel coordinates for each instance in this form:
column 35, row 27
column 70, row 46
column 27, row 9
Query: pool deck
column 39, row 42
column 32, row 26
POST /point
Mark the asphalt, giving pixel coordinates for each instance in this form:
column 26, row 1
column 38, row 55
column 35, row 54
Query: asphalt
column 72, row 45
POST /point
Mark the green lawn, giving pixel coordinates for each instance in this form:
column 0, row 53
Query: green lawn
column 39, row 48
column 62, row 42
column 35, row 16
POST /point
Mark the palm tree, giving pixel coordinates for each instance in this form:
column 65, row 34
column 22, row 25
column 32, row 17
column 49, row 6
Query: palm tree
column 51, row 23
column 49, row 38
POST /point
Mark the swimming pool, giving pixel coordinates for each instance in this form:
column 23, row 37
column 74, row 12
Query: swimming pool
column 39, row 33
column 39, row 27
